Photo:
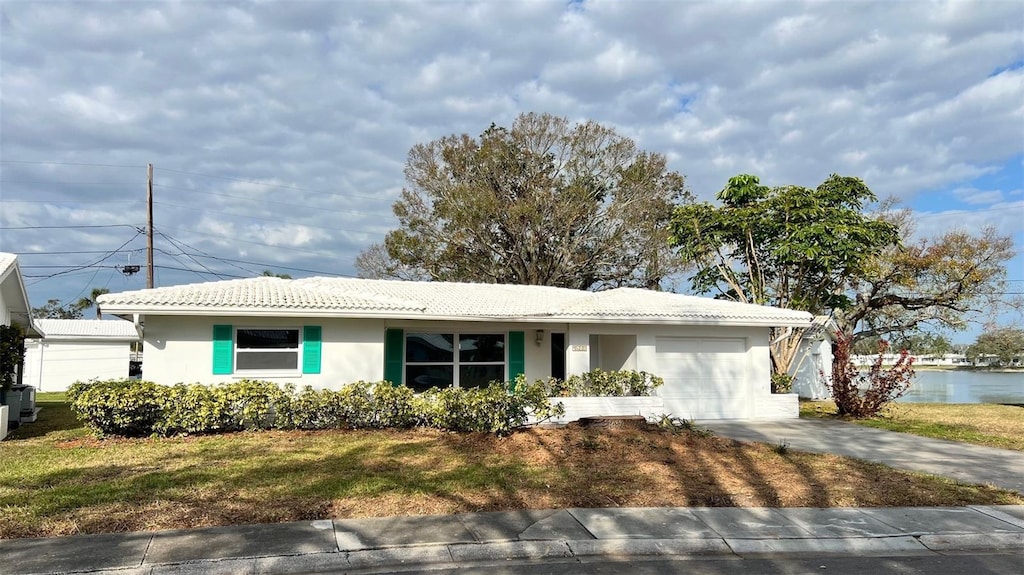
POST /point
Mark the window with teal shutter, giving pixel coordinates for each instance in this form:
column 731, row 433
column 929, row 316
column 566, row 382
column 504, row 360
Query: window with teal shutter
column 311, row 345
column 223, row 349
column 516, row 355
column 394, row 351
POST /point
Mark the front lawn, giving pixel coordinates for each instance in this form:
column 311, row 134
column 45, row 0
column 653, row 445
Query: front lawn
column 55, row 479
column 978, row 423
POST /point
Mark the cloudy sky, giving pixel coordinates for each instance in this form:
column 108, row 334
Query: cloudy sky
column 279, row 130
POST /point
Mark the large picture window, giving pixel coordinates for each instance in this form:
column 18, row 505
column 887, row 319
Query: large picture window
column 266, row 349
column 433, row 359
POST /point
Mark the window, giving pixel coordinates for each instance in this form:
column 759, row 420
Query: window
column 431, row 360
column 266, row 349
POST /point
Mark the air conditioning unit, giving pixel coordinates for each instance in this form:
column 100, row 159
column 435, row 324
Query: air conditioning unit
column 29, row 412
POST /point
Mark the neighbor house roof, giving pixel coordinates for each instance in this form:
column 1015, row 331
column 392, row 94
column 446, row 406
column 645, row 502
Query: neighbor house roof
column 93, row 329
column 350, row 297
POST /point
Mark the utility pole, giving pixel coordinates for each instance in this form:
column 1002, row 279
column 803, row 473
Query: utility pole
column 149, row 228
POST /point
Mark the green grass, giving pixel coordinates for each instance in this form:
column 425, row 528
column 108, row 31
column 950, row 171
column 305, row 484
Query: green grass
column 990, row 425
column 56, row 479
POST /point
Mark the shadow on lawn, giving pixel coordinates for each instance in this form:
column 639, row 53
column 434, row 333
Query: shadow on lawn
column 55, row 416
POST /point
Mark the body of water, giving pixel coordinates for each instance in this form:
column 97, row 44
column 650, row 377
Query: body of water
column 965, row 387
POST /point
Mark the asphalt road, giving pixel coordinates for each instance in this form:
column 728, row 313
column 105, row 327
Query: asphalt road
column 964, row 564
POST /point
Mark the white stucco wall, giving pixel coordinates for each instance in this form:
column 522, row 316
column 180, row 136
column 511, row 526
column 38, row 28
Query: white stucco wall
column 812, row 369
column 5, row 312
column 734, row 396
column 53, row 365
column 179, row 349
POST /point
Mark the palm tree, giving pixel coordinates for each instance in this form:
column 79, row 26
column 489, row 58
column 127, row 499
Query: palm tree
column 88, row 302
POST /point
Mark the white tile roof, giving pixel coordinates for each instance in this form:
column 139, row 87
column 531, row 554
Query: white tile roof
column 86, row 328
column 7, row 262
column 348, row 297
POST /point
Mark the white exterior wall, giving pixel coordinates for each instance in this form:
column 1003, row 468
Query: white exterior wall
column 5, row 312
column 812, row 369
column 53, row 365
column 180, row 349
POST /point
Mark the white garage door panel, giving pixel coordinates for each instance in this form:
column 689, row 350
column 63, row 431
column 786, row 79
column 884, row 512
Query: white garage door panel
column 704, row 378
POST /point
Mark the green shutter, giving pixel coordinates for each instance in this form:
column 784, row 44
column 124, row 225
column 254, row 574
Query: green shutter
column 394, row 351
column 311, row 348
column 516, row 355
column 223, row 349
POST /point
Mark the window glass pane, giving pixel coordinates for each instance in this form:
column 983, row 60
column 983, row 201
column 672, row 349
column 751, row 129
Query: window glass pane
column 480, row 375
column 423, row 377
column 267, row 360
column 429, row 347
column 481, row 347
column 268, row 339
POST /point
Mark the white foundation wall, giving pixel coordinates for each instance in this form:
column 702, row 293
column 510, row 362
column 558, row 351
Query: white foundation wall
column 53, row 365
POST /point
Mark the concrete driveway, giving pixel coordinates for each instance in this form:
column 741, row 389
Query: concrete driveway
column 960, row 461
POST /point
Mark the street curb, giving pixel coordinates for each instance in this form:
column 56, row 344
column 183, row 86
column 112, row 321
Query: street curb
column 461, row 555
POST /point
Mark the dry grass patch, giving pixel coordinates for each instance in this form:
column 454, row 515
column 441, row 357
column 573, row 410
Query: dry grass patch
column 985, row 424
column 60, row 481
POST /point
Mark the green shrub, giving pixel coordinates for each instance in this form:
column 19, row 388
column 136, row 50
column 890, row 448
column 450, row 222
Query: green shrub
column 497, row 408
column 130, row 408
column 782, row 383
column 599, row 383
column 193, row 409
column 140, row 408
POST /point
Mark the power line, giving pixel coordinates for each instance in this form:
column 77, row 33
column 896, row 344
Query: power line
column 189, row 256
column 68, row 227
column 68, row 164
column 199, row 273
column 202, row 252
column 92, row 264
column 263, row 201
column 280, row 186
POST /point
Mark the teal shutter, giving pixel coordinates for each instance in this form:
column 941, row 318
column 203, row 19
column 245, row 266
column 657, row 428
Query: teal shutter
column 394, row 351
column 516, row 355
column 311, row 348
column 223, row 349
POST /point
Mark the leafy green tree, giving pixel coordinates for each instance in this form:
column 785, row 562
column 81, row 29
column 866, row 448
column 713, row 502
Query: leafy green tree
column 1005, row 344
column 543, row 202
column 54, row 309
column 90, row 302
column 788, row 247
column 270, row 274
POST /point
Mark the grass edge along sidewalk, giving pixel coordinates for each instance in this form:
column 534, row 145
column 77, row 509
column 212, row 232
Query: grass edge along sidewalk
column 55, row 479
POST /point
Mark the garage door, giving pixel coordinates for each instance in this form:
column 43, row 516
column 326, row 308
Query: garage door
column 704, row 377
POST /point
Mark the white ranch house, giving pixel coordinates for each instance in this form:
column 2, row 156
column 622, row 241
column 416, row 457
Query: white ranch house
column 78, row 350
column 327, row 332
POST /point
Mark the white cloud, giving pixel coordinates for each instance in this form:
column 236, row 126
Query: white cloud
column 322, row 101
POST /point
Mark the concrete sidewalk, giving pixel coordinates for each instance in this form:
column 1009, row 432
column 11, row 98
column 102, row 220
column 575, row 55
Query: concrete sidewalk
column 960, row 461
column 584, row 535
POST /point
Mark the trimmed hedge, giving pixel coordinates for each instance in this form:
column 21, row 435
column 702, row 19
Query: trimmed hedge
column 136, row 408
column 599, row 383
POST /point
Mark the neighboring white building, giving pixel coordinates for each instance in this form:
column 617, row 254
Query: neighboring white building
column 14, row 309
column 812, row 367
column 327, row 332
column 73, row 350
